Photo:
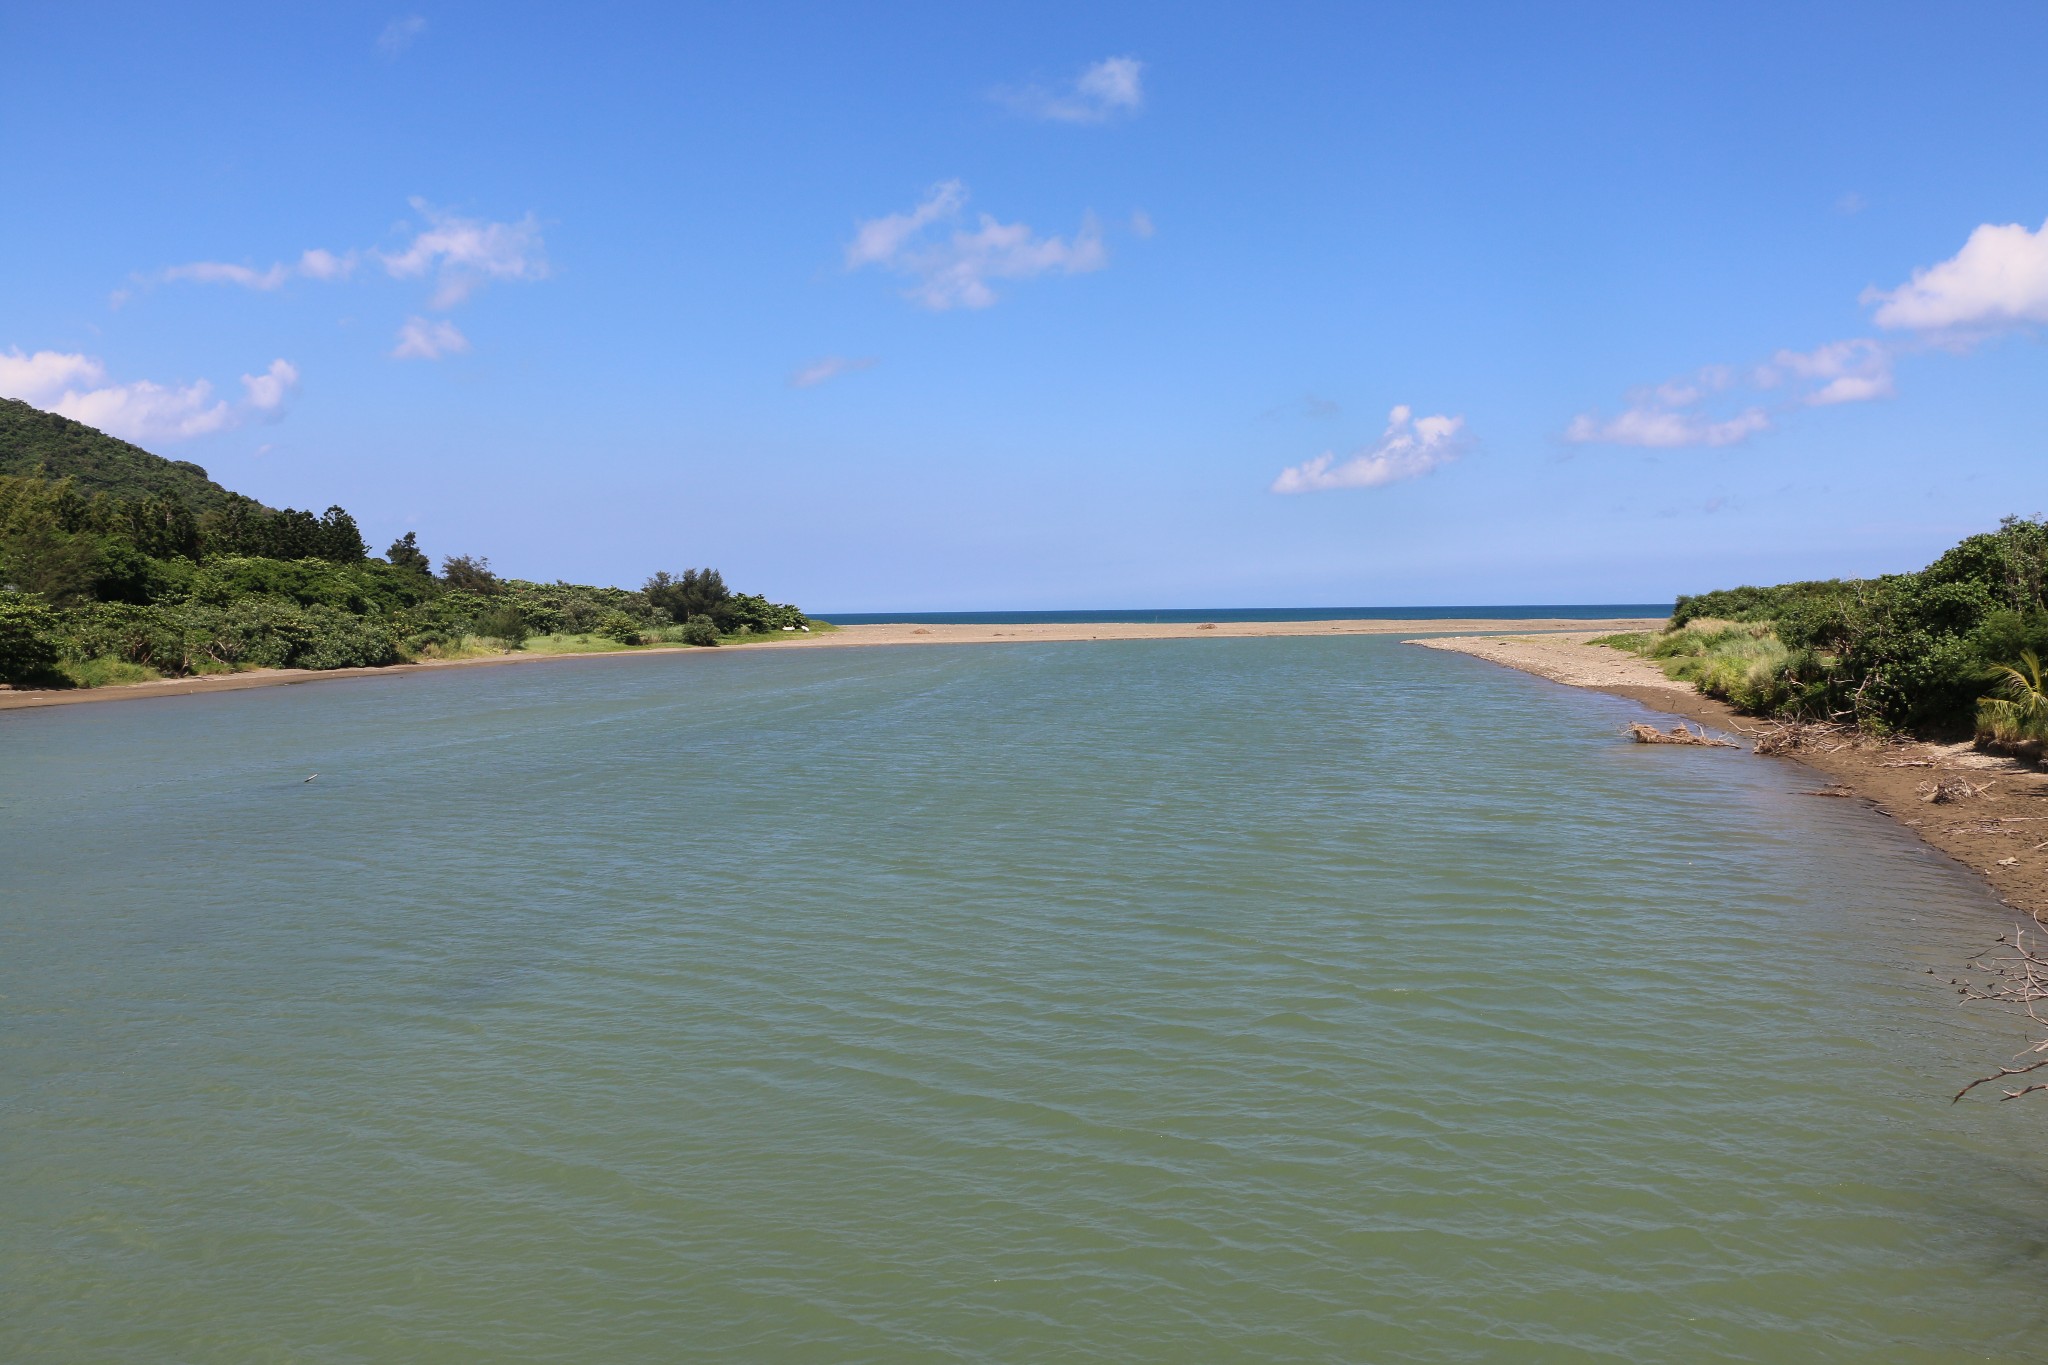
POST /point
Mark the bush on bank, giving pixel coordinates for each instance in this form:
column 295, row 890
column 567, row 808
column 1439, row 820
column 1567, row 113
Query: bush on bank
column 1904, row 652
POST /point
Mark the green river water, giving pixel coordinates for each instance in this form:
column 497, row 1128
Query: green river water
column 1209, row 1000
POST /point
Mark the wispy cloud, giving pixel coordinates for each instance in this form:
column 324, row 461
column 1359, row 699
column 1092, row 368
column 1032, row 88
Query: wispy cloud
column 428, row 339
column 1409, row 448
column 458, row 254
column 221, row 272
column 1719, row 404
column 953, row 270
column 831, row 367
column 1999, row 279
column 1141, row 223
column 463, row 253
column 316, row 264
column 76, row 386
column 1111, row 87
column 1660, row 428
column 400, row 34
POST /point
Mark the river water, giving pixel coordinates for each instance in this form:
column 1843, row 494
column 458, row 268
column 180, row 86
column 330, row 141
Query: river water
column 1206, row 1000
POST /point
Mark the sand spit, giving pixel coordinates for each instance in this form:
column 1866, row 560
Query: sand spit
column 2000, row 832
column 844, row 636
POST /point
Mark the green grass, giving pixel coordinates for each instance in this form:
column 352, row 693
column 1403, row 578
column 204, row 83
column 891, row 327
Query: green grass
column 1743, row 663
column 106, row 672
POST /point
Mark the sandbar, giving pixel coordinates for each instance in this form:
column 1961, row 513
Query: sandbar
column 905, row 633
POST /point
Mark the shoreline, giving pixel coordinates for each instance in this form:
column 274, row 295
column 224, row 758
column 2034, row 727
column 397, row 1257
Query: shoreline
column 2007, row 822
column 869, row 635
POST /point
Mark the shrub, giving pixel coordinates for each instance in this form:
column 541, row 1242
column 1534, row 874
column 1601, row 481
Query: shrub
column 699, row 630
column 505, row 624
column 616, row 625
column 745, row 613
column 28, row 640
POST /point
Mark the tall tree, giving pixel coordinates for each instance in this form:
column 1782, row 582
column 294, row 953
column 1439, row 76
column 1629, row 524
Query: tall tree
column 469, row 573
column 699, row 592
column 405, row 553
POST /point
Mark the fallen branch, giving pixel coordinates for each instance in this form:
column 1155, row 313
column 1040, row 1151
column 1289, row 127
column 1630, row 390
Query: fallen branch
column 1678, row 734
column 2019, row 977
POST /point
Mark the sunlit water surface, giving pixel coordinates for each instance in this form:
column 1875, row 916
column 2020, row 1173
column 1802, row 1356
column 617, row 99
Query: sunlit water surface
column 1260, row 1000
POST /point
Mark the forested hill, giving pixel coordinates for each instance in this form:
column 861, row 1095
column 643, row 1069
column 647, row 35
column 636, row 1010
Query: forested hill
column 38, row 444
column 117, row 565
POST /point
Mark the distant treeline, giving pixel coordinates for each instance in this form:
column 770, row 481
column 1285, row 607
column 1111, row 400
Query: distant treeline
column 99, row 587
column 1905, row 652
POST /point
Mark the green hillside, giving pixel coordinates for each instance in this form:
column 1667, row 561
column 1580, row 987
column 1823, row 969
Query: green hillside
column 34, row 443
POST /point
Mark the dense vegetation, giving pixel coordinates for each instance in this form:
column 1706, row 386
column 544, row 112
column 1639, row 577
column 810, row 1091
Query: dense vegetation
column 118, row 566
column 1915, row 652
column 44, row 445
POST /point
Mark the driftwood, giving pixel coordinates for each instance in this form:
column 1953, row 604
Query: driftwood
column 1791, row 736
column 1680, row 733
column 1832, row 789
column 1951, row 789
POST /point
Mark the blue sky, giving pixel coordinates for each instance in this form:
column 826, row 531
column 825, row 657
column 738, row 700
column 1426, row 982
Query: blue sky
column 1661, row 298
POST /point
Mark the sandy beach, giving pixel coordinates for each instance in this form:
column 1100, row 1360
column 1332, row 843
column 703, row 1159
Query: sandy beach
column 843, row 637
column 2000, row 834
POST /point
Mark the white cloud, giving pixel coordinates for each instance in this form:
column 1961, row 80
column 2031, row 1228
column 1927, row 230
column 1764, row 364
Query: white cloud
column 1690, row 411
column 1854, row 371
column 1409, row 448
column 33, row 378
column 1113, row 86
column 831, row 367
column 463, row 253
column 1141, row 223
column 266, row 392
column 1998, row 279
column 317, row 264
column 400, row 34
column 76, row 386
column 428, row 339
column 954, row 271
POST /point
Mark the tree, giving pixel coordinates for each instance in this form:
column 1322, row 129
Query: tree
column 234, row 528
column 469, row 573
column 37, row 555
column 699, row 592
column 340, row 539
column 405, row 553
